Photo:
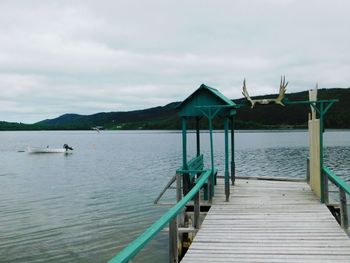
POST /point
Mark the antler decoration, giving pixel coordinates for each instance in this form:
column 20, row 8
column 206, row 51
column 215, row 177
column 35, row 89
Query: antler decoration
column 278, row 100
column 245, row 94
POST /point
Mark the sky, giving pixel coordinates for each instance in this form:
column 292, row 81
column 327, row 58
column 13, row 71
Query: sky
column 85, row 57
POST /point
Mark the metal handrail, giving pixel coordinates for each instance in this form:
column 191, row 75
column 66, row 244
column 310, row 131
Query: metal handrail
column 135, row 246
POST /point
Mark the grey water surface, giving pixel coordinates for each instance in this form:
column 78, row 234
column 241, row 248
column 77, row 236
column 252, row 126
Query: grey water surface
column 86, row 206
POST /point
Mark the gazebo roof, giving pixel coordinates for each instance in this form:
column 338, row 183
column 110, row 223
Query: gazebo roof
column 204, row 96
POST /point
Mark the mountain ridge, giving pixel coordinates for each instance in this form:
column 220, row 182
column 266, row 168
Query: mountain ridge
column 165, row 117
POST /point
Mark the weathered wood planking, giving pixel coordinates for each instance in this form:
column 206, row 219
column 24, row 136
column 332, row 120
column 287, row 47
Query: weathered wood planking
column 270, row 222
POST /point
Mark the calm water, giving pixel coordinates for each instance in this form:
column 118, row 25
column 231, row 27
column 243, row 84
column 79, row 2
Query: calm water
column 86, row 206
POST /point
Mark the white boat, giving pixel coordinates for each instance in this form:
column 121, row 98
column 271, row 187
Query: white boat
column 96, row 129
column 64, row 149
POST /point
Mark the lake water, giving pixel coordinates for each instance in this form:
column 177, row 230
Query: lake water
column 86, row 206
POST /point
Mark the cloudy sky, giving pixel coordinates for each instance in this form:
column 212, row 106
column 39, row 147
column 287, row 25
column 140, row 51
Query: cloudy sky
column 85, row 57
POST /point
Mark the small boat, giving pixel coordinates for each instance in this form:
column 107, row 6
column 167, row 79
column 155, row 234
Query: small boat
column 64, row 149
column 96, row 129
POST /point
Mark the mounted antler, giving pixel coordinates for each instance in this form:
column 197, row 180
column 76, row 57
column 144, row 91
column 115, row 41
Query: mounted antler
column 245, row 94
column 278, row 100
column 283, row 89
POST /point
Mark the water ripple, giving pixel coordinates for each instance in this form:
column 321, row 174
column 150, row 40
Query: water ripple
column 87, row 206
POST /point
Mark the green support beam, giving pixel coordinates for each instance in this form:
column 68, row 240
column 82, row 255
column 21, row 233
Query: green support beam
column 185, row 177
column 211, row 190
column 198, row 137
column 321, row 154
column 184, row 142
column 233, row 165
column 210, row 112
column 227, row 176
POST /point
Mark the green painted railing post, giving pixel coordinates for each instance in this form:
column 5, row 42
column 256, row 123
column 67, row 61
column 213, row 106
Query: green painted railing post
column 184, row 143
column 211, row 187
column 185, row 177
column 227, row 176
column 233, row 165
column 198, row 137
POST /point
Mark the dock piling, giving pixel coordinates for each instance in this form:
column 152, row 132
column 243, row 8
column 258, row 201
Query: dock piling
column 343, row 209
column 196, row 211
column 173, row 241
column 308, row 170
column 325, row 187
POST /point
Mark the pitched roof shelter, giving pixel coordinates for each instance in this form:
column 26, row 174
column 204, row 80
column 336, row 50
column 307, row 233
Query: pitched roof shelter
column 208, row 102
column 205, row 97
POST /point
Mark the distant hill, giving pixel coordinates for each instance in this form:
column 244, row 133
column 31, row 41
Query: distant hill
column 260, row 117
column 297, row 115
column 112, row 120
column 15, row 126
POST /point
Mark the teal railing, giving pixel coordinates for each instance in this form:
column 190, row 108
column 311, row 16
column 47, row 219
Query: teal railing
column 344, row 189
column 135, row 246
column 341, row 184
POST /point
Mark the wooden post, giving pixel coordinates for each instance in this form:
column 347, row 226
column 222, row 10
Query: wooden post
column 173, row 235
column 343, row 209
column 180, row 216
column 315, row 148
column 197, row 209
column 178, row 187
column 308, row 170
column 227, row 176
column 325, row 188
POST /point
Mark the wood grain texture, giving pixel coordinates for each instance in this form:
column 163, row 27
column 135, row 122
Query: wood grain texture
column 269, row 222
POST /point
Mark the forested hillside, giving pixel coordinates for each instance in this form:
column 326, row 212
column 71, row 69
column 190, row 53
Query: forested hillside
column 260, row 117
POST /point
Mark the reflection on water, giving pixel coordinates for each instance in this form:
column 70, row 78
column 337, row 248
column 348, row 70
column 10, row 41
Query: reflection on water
column 86, row 206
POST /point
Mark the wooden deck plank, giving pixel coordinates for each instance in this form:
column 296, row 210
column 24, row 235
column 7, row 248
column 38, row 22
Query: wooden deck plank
column 268, row 222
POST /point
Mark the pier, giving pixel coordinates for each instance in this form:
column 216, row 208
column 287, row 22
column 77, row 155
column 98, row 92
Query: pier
column 220, row 217
column 269, row 221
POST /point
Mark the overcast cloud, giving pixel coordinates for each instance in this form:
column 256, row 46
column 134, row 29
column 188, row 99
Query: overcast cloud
column 85, row 57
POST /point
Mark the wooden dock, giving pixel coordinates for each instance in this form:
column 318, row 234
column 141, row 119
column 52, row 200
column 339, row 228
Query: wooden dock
column 269, row 221
column 264, row 220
